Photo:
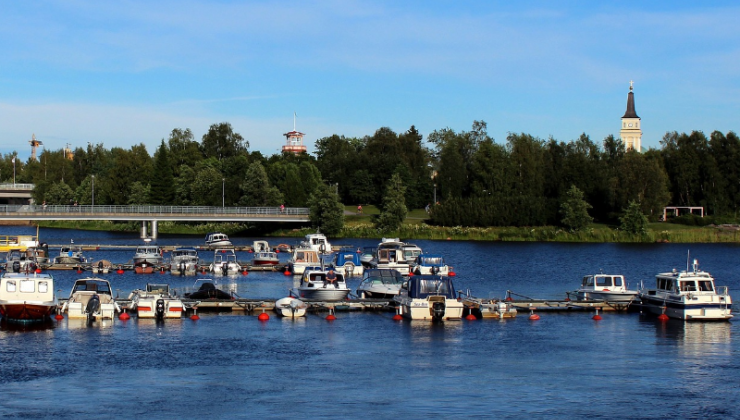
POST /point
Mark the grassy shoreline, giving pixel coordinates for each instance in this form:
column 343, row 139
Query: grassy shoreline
column 360, row 227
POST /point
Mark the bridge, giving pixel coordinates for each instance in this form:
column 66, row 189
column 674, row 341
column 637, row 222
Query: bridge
column 11, row 193
column 153, row 214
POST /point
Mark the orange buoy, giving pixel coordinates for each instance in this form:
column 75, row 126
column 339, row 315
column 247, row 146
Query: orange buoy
column 331, row 317
column 119, row 271
column 59, row 317
column 533, row 316
column 471, row 317
column 263, row 317
column 124, row 316
column 397, row 317
column 244, row 273
column 663, row 317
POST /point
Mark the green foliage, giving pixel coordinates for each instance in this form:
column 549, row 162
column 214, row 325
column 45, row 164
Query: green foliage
column 326, row 211
column 575, row 210
column 139, row 194
column 221, row 142
column 633, row 220
column 394, row 205
column 162, row 182
column 59, row 193
column 256, row 188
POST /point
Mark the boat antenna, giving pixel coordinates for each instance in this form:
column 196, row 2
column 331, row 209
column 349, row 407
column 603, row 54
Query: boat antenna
column 688, row 257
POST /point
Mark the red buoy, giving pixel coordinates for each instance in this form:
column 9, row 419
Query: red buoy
column 596, row 317
column 663, row 317
column 38, row 271
column 397, row 317
column 244, row 273
column 263, row 317
column 534, row 317
column 59, row 317
column 331, row 317
column 124, row 316
column 194, row 317
column 471, row 317
column 452, row 274
column 119, row 271
column 79, row 271
column 286, row 272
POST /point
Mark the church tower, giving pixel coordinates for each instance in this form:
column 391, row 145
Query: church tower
column 631, row 134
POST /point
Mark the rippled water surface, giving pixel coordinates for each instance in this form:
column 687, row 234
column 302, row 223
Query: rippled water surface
column 364, row 364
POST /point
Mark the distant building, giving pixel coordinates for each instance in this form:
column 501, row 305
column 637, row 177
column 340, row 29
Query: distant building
column 294, row 141
column 631, row 134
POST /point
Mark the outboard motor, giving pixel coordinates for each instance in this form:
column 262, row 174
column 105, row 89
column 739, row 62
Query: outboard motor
column 225, row 268
column 183, row 267
column 438, row 311
column 16, row 266
column 159, row 309
column 93, row 305
column 100, row 265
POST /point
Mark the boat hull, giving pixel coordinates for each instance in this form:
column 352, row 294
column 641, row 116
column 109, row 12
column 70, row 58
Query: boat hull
column 328, row 294
column 687, row 311
column 423, row 309
column 607, row 296
column 290, row 307
column 265, row 262
column 26, row 311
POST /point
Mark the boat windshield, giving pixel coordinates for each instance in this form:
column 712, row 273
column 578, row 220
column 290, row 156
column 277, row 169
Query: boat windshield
column 424, row 287
column 92, row 286
column 604, row 281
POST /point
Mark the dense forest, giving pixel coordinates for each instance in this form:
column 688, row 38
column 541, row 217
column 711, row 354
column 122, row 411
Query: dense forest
column 466, row 177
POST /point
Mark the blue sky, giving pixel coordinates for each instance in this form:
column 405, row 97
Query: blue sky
column 128, row 72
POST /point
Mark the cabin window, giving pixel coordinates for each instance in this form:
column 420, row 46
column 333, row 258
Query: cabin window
column 688, row 286
column 433, row 287
column 28, row 286
column 705, row 286
column 588, row 281
column 43, row 287
column 10, row 286
column 603, row 281
column 617, row 281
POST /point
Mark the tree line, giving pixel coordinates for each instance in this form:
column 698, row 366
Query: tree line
column 464, row 178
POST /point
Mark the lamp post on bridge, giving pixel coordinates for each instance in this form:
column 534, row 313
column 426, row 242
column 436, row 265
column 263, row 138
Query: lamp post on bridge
column 223, row 192
column 93, row 190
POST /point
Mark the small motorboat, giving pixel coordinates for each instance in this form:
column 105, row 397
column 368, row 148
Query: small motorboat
column 318, row 242
column 488, row 308
column 390, row 254
column 304, row 257
column 207, row 290
column 149, row 254
column 367, row 255
column 17, row 261
column 143, row 267
column 283, row 248
column 91, row 298
column 156, row 302
column 688, row 295
column 184, row 261
column 224, row 262
column 101, row 267
column 380, row 283
column 290, row 307
column 70, row 254
column 605, row 287
column 429, row 297
column 429, row 264
column 315, row 285
column 347, row 262
column 263, row 258
column 259, row 246
column 217, row 239
column 27, row 297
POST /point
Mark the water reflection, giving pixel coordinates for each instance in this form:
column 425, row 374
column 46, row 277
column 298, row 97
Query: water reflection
column 11, row 326
column 695, row 338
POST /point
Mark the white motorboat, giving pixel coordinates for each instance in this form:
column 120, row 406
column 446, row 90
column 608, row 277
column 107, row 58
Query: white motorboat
column 367, row 255
column 380, row 283
column 290, row 307
column 101, row 267
column 151, row 255
column 27, row 297
column 304, row 257
column 429, row 264
column 688, row 295
column 265, row 258
column 429, row 297
column 411, row 251
column 17, row 261
column 70, row 254
column 318, row 242
column 605, row 287
column 217, row 239
column 91, row 298
column 347, row 262
column 156, row 302
column 314, row 285
column 259, row 246
column 184, row 261
column 390, row 255
column 224, row 262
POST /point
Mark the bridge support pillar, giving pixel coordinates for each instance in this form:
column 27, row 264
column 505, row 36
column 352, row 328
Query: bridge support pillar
column 143, row 234
column 154, row 229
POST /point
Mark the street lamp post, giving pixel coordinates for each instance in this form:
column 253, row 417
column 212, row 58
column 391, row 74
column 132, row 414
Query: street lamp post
column 93, row 189
column 223, row 192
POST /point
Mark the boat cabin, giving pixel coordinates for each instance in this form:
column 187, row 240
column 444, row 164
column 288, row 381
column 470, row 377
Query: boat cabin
column 430, row 260
column 148, row 250
column 217, row 238
column 345, row 256
column 423, row 286
column 184, row 252
column 92, row 285
column 24, row 288
column 259, row 246
column 675, row 282
column 318, row 242
column 224, row 255
column 315, row 276
column 163, row 289
column 378, row 276
column 603, row 281
column 411, row 252
column 306, row 256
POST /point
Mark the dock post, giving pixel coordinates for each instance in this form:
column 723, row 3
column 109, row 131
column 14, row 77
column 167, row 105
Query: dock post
column 143, row 234
column 154, row 229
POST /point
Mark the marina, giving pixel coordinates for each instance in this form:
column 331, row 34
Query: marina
column 229, row 337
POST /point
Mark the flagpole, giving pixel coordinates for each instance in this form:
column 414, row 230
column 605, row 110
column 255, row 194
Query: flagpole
column 13, row 172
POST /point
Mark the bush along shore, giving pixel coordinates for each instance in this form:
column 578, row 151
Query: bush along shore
column 657, row 232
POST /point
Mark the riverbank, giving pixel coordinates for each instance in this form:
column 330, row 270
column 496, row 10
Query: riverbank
column 361, row 227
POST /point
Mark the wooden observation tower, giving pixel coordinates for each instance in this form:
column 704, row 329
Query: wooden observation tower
column 294, row 141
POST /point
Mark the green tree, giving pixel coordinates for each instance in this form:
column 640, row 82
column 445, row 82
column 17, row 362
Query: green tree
column 256, row 188
column 574, row 210
column 222, row 142
column 162, row 185
column 59, row 193
column 139, row 193
column 326, row 211
column 633, row 220
column 394, row 205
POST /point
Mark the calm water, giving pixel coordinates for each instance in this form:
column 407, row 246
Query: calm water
column 365, row 364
